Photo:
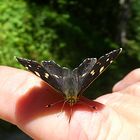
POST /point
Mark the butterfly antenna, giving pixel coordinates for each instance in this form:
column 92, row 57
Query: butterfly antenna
column 62, row 108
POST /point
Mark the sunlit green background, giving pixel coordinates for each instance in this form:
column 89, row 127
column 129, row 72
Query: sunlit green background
column 68, row 32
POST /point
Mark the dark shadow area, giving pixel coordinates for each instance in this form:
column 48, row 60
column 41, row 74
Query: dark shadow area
column 33, row 104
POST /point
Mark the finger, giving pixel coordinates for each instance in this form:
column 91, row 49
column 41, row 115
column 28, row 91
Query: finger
column 22, row 94
column 128, row 80
column 124, row 104
column 133, row 89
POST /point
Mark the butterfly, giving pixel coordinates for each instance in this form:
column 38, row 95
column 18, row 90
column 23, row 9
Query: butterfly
column 70, row 83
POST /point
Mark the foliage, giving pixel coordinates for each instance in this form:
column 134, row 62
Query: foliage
column 33, row 28
column 14, row 32
column 133, row 42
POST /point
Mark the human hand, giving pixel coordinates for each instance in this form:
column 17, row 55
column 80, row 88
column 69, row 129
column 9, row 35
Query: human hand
column 23, row 100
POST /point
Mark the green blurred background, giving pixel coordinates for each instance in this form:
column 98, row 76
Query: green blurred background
column 68, row 32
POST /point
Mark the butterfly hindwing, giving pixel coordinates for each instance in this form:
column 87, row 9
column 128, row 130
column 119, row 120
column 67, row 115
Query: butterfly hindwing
column 41, row 72
column 102, row 63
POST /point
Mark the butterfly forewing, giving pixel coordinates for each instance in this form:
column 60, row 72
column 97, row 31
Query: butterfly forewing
column 84, row 69
column 41, row 72
column 102, row 63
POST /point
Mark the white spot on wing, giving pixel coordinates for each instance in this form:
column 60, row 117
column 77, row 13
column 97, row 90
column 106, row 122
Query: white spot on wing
column 26, row 67
column 55, row 75
column 38, row 67
column 37, row 73
column 46, row 75
column 29, row 66
column 111, row 61
column 98, row 63
column 92, row 72
column 107, row 59
column 84, row 74
column 28, row 60
column 101, row 69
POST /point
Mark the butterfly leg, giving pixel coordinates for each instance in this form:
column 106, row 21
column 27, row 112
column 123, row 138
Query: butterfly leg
column 62, row 108
column 71, row 111
column 53, row 104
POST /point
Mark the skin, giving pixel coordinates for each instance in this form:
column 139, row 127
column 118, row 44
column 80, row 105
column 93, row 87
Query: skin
column 23, row 100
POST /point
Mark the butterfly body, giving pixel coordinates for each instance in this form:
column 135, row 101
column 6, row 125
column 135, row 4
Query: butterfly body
column 70, row 86
column 70, row 83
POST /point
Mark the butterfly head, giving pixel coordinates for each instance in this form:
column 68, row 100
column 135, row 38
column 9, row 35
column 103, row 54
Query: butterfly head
column 71, row 93
column 71, row 100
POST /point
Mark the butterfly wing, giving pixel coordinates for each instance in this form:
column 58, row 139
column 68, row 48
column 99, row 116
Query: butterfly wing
column 63, row 76
column 94, row 71
column 83, row 70
column 56, row 72
column 43, row 73
column 85, row 67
